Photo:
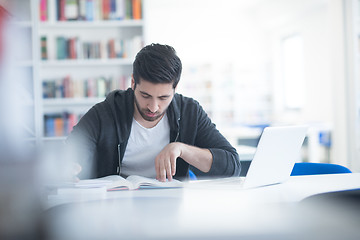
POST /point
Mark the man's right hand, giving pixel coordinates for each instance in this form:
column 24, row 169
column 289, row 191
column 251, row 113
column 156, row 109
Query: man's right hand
column 75, row 169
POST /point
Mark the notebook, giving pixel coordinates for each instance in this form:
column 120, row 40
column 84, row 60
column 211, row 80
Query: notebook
column 277, row 151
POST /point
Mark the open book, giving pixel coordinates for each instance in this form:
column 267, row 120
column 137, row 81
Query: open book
column 116, row 182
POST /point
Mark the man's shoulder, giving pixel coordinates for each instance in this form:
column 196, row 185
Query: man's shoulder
column 184, row 100
column 119, row 96
column 114, row 101
column 187, row 106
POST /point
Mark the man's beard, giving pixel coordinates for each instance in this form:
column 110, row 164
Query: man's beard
column 144, row 111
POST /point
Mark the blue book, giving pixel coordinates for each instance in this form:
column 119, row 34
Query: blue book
column 49, row 126
column 112, row 9
column 89, row 10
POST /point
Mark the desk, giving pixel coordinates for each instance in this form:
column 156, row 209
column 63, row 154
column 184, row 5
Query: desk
column 219, row 212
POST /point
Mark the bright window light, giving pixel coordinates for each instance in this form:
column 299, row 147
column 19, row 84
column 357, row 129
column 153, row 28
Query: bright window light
column 293, row 72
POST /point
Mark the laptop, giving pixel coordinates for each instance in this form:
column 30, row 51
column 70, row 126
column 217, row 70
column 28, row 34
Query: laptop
column 277, row 151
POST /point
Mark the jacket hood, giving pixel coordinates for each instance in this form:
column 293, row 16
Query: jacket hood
column 121, row 103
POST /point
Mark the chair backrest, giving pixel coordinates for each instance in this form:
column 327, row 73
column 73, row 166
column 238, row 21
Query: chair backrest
column 305, row 168
column 192, row 175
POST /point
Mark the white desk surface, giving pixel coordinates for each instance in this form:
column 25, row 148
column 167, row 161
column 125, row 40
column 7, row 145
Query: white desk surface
column 217, row 212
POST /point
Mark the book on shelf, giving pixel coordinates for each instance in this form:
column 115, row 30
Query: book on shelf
column 74, row 48
column 43, row 10
column 89, row 10
column 92, row 10
column 61, row 48
column 136, row 9
column 59, row 124
column 106, row 8
column 93, row 87
column 116, row 183
column 61, row 6
column 71, row 10
column 81, row 9
column 43, row 45
column 120, row 9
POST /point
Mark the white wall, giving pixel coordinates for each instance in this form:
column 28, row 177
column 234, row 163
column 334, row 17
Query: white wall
column 201, row 30
column 223, row 35
column 246, row 35
column 311, row 22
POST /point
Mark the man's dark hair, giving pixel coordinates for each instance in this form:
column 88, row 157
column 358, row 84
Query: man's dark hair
column 157, row 63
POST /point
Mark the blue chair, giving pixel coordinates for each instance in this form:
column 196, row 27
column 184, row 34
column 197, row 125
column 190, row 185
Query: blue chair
column 305, row 168
column 192, row 175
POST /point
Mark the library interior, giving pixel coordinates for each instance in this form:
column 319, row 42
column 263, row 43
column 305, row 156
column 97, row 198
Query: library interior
column 250, row 64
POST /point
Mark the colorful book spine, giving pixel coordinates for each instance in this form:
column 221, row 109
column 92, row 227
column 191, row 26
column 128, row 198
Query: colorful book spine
column 73, row 48
column 128, row 9
column 61, row 10
column 62, row 49
column 68, row 87
column 89, row 15
column 106, row 9
column 60, row 124
column 90, row 10
column 43, row 10
column 49, row 125
column 43, row 45
column 137, row 11
column 111, row 49
column 81, row 9
column 71, row 10
column 120, row 9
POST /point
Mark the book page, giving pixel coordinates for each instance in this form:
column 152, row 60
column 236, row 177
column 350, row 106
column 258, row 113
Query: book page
column 89, row 183
column 144, row 182
column 117, row 183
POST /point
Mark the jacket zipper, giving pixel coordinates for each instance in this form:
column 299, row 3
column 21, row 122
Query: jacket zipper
column 178, row 130
column 118, row 168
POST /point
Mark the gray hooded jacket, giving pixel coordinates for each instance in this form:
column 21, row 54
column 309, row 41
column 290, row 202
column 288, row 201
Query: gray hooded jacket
column 99, row 139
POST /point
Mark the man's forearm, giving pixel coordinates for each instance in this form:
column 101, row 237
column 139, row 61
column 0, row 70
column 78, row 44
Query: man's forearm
column 201, row 158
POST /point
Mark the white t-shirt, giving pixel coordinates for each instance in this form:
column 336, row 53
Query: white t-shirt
column 143, row 146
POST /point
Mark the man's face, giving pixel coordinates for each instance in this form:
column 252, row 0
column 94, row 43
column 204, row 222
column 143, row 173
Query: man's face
column 152, row 100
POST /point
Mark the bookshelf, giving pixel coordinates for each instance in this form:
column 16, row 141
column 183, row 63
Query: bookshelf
column 82, row 50
column 21, row 64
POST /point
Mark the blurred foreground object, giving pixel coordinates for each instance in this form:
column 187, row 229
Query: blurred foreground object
column 19, row 198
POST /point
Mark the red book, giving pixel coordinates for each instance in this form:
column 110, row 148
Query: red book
column 106, row 9
column 62, row 10
column 72, row 48
column 112, row 53
column 67, row 83
column 72, row 120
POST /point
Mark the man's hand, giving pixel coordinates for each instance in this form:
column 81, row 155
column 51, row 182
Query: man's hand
column 165, row 161
column 75, row 170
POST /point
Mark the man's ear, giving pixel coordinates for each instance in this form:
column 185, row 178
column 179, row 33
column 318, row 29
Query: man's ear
column 132, row 82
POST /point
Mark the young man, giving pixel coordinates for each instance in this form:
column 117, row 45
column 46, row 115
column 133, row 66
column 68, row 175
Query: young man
column 150, row 130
